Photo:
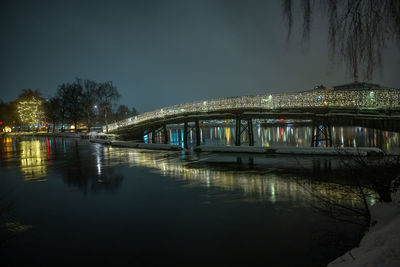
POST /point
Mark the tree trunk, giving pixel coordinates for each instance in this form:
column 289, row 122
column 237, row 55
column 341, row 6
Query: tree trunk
column 105, row 119
column 88, row 122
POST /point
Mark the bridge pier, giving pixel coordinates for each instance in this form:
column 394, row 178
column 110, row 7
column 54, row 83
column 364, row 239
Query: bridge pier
column 185, row 134
column 321, row 132
column 197, row 126
column 250, row 132
column 165, row 134
column 153, row 136
column 239, row 130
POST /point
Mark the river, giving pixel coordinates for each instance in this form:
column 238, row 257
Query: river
column 75, row 202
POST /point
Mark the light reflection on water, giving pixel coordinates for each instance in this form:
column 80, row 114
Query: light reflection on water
column 143, row 203
column 34, row 156
column 299, row 136
column 197, row 170
column 254, row 184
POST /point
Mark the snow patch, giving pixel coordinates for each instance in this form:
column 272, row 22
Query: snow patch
column 345, row 151
column 381, row 244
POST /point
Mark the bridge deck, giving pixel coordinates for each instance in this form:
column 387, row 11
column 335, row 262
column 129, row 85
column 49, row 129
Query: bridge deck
column 331, row 105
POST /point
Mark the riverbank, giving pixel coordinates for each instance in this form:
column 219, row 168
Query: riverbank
column 137, row 145
column 380, row 246
column 64, row 134
column 312, row 151
column 111, row 139
column 320, row 151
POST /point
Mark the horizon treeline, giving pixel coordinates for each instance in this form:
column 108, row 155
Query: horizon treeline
column 82, row 101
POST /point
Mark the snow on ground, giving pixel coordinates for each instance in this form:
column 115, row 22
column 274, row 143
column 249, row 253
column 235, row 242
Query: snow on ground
column 145, row 146
column 344, row 151
column 380, row 246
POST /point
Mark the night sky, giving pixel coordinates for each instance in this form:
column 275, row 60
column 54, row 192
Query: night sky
column 162, row 53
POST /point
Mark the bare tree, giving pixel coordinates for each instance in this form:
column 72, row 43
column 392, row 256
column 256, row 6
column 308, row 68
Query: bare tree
column 74, row 107
column 62, row 93
column 108, row 93
column 359, row 30
column 52, row 108
column 90, row 97
column 123, row 112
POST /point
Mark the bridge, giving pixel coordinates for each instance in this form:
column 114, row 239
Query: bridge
column 374, row 108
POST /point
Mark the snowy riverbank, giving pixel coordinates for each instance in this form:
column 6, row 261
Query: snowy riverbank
column 380, row 246
column 321, row 151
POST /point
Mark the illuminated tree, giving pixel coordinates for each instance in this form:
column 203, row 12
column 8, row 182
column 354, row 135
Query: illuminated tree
column 30, row 111
column 30, row 107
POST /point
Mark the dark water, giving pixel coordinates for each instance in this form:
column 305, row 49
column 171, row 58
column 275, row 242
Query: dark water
column 291, row 135
column 78, row 203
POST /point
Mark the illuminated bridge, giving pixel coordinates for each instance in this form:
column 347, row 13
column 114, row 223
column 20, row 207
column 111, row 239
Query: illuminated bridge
column 373, row 108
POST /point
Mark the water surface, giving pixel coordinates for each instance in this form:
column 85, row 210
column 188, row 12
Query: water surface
column 84, row 203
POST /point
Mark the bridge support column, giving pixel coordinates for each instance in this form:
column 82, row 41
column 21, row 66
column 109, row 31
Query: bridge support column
column 165, row 133
column 185, row 134
column 153, row 136
column 238, row 131
column 197, row 126
column 250, row 132
column 321, row 133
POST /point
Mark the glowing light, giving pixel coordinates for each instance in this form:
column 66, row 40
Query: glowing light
column 33, row 158
column 30, row 111
column 227, row 134
column 353, row 99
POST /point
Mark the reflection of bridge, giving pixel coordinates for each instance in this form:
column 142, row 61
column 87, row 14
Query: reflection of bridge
column 378, row 108
column 259, row 179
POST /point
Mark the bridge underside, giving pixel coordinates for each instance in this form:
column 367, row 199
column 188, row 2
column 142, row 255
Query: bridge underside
column 326, row 117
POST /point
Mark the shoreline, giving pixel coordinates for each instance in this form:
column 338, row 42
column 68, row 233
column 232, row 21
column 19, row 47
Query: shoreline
column 380, row 245
column 111, row 139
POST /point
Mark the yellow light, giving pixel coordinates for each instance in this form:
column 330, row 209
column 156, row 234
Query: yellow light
column 228, row 134
column 30, row 111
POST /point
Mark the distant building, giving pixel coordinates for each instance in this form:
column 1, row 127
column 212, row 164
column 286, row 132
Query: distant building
column 320, row 87
column 357, row 86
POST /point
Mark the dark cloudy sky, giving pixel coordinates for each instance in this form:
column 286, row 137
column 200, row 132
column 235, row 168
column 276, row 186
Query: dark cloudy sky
column 164, row 52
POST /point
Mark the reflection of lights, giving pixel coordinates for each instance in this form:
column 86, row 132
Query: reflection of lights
column 260, row 185
column 227, row 134
column 33, row 159
column 272, row 189
column 98, row 159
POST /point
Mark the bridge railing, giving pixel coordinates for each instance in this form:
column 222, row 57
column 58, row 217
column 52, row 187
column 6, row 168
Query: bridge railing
column 365, row 99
